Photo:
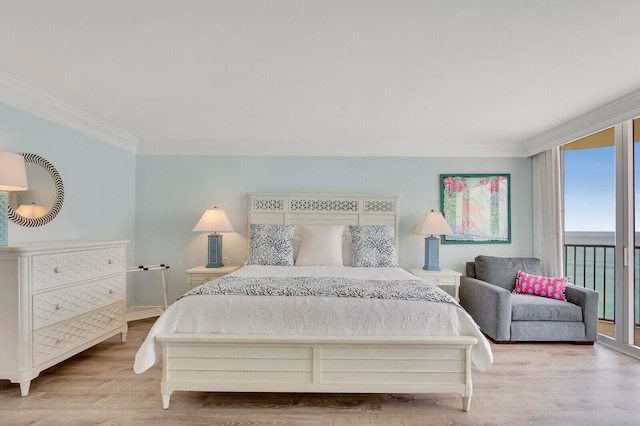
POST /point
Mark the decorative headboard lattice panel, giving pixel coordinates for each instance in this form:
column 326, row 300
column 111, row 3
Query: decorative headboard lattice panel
column 324, row 209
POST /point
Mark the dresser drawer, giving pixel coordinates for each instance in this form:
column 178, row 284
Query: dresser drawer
column 59, row 304
column 52, row 270
column 59, row 338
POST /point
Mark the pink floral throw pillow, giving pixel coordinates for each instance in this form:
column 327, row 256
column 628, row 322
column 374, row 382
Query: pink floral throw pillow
column 536, row 285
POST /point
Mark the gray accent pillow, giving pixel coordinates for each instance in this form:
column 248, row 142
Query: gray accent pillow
column 471, row 269
column 503, row 271
column 271, row 245
column 373, row 246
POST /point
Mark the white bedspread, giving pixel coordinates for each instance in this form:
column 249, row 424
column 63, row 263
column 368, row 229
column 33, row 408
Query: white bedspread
column 309, row 315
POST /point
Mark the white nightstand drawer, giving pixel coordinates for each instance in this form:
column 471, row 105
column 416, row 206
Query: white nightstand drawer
column 446, row 279
column 196, row 280
column 200, row 274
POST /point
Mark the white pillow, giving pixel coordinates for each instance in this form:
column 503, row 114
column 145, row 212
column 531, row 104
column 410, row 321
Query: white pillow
column 320, row 245
column 347, row 250
column 297, row 236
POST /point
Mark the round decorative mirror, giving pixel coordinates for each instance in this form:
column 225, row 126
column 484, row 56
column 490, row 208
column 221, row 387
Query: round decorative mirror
column 41, row 203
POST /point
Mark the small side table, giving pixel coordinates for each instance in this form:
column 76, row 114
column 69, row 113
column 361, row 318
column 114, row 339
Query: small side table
column 446, row 279
column 201, row 274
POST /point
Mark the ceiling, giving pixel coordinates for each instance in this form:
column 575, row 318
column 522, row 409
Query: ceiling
column 324, row 77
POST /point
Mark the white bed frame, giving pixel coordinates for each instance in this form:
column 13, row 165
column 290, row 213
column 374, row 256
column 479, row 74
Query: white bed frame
column 334, row 364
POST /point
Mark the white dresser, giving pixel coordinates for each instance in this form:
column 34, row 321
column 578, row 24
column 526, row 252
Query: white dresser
column 56, row 300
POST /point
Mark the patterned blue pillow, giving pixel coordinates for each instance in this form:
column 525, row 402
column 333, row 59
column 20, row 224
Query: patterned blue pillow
column 271, row 245
column 373, row 246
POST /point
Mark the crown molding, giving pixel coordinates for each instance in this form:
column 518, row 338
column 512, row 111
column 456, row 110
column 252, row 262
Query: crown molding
column 320, row 148
column 21, row 96
column 26, row 98
column 610, row 114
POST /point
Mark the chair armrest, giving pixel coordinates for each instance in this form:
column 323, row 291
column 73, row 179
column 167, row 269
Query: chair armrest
column 489, row 306
column 587, row 299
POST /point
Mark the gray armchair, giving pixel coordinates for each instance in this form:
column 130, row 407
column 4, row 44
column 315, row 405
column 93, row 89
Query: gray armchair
column 486, row 293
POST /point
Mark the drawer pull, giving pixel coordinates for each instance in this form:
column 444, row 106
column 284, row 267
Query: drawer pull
column 57, row 269
column 110, row 262
column 110, row 291
column 58, row 307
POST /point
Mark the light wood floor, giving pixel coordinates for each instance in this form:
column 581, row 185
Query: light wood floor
column 529, row 384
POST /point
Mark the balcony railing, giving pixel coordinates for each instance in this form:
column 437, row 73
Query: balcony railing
column 593, row 266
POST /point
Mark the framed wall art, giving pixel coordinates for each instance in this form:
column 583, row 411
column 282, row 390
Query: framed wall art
column 477, row 207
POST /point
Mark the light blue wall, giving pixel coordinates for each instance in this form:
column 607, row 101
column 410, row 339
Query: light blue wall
column 98, row 178
column 173, row 192
column 155, row 201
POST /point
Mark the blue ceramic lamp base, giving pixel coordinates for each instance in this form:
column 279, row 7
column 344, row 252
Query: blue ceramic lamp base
column 431, row 256
column 215, row 251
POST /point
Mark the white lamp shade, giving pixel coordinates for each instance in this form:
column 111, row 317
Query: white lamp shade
column 13, row 173
column 433, row 223
column 214, row 220
column 31, row 211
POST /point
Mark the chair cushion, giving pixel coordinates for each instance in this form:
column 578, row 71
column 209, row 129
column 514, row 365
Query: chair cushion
column 525, row 307
column 502, row 271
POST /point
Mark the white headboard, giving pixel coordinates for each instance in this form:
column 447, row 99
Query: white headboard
column 325, row 209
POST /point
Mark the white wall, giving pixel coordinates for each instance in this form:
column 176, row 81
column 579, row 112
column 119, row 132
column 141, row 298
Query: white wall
column 173, row 192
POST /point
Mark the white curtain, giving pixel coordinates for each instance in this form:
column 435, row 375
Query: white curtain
column 547, row 211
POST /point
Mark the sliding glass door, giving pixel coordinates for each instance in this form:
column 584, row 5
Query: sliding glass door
column 600, row 208
column 590, row 220
column 635, row 290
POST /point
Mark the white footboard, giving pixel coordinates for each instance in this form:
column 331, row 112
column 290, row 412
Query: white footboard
column 334, row 364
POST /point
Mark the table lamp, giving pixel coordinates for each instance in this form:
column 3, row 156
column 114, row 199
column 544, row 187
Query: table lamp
column 214, row 220
column 432, row 224
column 31, row 211
column 13, row 177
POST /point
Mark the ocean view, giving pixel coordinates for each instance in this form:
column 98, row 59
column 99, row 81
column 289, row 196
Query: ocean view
column 590, row 263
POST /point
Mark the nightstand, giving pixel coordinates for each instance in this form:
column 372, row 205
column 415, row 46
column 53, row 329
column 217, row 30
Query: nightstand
column 446, row 279
column 201, row 274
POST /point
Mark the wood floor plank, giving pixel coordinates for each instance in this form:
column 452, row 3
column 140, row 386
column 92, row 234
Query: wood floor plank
column 529, row 384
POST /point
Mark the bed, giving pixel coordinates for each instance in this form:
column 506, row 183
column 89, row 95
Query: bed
column 331, row 320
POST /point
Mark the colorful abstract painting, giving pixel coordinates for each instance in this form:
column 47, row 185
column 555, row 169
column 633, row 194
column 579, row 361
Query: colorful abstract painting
column 477, row 208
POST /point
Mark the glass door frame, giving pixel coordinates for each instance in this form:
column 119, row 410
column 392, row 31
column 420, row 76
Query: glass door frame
column 625, row 243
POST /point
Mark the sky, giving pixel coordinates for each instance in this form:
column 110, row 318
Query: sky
column 590, row 189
